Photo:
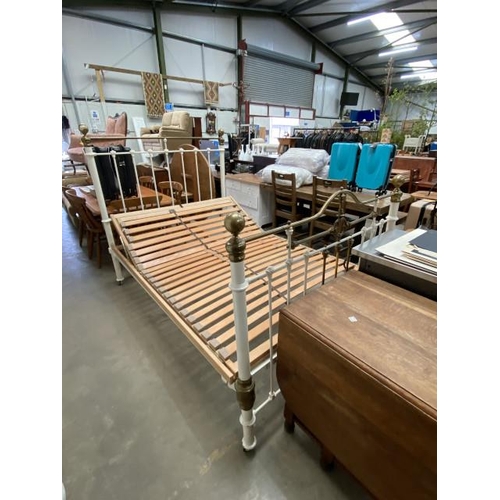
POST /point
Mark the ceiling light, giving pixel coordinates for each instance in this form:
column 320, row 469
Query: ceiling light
column 359, row 20
column 397, row 51
column 423, row 75
column 421, row 64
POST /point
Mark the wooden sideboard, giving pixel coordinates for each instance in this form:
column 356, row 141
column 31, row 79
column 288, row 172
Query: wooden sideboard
column 425, row 166
column 356, row 366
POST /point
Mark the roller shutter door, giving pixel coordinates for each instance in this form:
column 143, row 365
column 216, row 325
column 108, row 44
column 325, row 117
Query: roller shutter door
column 277, row 83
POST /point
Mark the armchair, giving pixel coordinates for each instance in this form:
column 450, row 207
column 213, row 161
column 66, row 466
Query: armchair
column 114, row 135
column 176, row 127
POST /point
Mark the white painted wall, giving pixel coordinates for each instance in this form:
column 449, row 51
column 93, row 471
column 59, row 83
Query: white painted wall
column 276, row 35
column 331, row 64
column 95, row 42
column 210, row 28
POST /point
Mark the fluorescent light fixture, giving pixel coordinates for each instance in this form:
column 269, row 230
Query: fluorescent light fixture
column 421, row 64
column 360, row 20
column 397, row 51
column 423, row 75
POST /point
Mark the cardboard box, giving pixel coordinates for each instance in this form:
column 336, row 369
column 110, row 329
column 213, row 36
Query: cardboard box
column 420, row 213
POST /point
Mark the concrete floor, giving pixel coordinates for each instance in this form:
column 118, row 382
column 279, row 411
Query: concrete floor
column 144, row 416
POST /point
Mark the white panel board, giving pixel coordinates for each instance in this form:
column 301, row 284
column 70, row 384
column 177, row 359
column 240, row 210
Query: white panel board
column 219, row 67
column 295, row 113
column 318, row 94
column 333, row 91
column 278, row 111
column 139, row 17
column 257, row 109
column 103, row 44
column 276, row 35
column 372, row 100
column 222, row 67
column 306, row 114
column 327, row 93
column 331, row 64
column 214, row 28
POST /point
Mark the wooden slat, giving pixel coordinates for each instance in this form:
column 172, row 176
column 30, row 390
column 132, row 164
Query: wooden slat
column 188, row 283
column 179, row 256
column 188, row 268
column 205, row 312
column 261, row 326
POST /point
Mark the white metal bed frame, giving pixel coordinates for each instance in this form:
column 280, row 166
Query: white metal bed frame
column 234, row 223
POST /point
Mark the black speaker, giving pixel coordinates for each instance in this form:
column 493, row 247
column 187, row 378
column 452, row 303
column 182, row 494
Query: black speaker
column 349, row 98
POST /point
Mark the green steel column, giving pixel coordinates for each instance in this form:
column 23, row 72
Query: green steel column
column 159, row 47
column 239, row 33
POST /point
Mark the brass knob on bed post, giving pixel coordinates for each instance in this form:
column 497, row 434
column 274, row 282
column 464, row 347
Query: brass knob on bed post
column 235, row 246
column 84, row 140
column 397, row 181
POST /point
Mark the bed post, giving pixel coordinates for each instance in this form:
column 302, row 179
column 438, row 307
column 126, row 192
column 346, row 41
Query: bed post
column 392, row 216
column 106, row 221
column 244, row 385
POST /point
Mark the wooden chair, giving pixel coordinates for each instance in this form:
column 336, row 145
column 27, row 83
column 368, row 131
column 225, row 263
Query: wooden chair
column 133, row 204
column 147, row 181
column 75, row 217
column 192, row 170
column 322, row 190
column 286, row 205
column 173, row 189
column 93, row 227
column 333, row 217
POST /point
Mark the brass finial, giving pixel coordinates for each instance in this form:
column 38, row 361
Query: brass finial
column 397, row 181
column 84, row 140
column 220, row 133
column 235, row 246
column 234, row 223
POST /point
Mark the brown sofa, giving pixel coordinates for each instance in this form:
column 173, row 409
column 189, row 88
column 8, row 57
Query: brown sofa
column 114, row 135
column 176, row 127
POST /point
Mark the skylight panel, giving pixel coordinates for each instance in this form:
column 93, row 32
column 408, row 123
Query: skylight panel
column 400, row 38
column 421, row 64
column 386, row 20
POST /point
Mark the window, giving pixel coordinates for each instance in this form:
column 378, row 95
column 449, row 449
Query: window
column 281, row 127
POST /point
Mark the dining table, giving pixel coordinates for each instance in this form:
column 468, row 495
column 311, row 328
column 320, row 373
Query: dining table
column 363, row 204
column 88, row 193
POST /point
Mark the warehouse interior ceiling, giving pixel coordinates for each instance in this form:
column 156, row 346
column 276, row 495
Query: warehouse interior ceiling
column 374, row 38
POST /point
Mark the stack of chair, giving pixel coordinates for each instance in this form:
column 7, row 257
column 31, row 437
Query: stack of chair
column 89, row 225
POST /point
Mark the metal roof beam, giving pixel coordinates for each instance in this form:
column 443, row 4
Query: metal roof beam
column 383, row 64
column 423, row 23
column 287, row 5
column 367, row 12
column 389, row 7
column 400, row 73
column 305, row 6
column 250, row 3
column 361, row 55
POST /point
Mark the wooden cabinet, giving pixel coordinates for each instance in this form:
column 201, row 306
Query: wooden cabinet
column 426, row 166
column 356, row 366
